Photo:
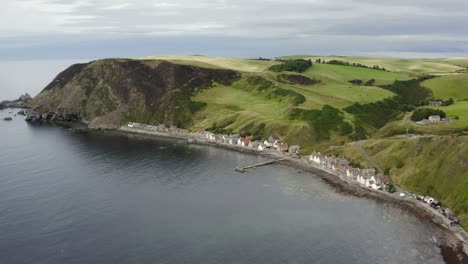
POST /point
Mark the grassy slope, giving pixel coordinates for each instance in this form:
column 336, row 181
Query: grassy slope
column 339, row 73
column 244, row 65
column 436, row 166
column 460, row 109
column 462, row 62
column 246, row 108
column 454, row 86
column 424, row 170
column 399, row 127
column 245, row 111
column 409, row 66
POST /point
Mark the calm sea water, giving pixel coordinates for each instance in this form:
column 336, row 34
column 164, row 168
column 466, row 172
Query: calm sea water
column 69, row 197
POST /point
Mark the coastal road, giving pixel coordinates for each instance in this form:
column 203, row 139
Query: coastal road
column 371, row 161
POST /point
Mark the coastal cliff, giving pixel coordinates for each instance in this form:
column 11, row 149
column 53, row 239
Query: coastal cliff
column 107, row 93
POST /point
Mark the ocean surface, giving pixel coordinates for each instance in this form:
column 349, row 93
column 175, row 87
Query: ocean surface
column 68, row 197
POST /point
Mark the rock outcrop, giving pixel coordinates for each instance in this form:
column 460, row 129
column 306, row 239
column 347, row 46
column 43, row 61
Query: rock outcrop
column 107, row 93
column 21, row 102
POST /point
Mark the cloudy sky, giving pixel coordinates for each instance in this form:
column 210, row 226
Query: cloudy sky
column 83, row 29
column 40, row 37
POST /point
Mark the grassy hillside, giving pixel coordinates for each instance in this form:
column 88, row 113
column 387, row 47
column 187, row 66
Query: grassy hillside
column 244, row 65
column 450, row 86
column 248, row 106
column 317, row 108
column 399, row 127
column 458, row 112
column 436, row 166
column 339, row 73
column 462, row 62
column 408, row 66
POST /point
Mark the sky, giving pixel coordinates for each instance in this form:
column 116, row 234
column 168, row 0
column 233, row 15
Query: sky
column 77, row 30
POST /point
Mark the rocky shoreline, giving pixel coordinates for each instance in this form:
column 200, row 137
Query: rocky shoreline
column 21, row 102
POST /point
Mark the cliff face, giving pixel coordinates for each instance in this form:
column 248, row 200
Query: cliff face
column 110, row 92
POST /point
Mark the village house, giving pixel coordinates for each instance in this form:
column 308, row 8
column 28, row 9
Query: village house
column 375, row 182
column 233, row 140
column 294, row 149
column 342, row 168
column 267, row 143
column 254, row 144
column 434, row 119
column 367, row 172
column 244, row 142
column 208, row 134
column 384, row 180
column 225, row 138
column 262, row 147
column 342, row 161
column 276, row 142
column 282, row 147
column 435, row 103
column 353, row 172
column 212, row 137
column 317, row 157
column 363, row 179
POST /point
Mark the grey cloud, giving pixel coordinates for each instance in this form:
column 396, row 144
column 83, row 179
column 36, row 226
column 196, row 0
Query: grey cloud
column 395, row 24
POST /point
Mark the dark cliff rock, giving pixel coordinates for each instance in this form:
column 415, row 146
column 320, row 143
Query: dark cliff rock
column 110, row 92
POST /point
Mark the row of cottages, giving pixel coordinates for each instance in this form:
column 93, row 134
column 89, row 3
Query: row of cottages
column 366, row 177
column 234, row 139
column 159, row 128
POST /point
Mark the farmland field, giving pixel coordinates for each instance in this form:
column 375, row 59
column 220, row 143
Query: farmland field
column 339, row 73
column 450, row 86
column 407, row 66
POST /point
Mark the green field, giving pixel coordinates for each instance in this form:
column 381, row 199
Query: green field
column 408, row 66
column 340, row 95
column 243, row 111
column 339, row 73
column 462, row 62
column 458, row 109
column 450, row 86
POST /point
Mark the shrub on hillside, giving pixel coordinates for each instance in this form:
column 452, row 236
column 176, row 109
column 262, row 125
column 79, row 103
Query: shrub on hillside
column 410, row 92
column 376, row 114
column 259, row 82
column 297, row 98
column 296, row 79
column 325, row 120
column 424, row 113
column 299, row 65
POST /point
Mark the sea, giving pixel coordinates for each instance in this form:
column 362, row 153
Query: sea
column 94, row 197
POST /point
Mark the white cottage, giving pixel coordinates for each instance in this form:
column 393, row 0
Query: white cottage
column 262, row 147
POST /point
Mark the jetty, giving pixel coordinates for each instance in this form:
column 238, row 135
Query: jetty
column 245, row 168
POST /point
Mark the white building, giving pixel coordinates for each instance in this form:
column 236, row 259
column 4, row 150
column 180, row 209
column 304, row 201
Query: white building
column 434, row 119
